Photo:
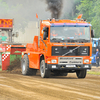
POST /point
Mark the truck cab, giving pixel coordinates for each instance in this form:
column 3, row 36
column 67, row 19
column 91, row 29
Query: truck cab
column 63, row 46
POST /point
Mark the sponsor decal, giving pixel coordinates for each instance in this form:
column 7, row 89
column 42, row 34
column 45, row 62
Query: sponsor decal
column 75, row 44
column 68, row 44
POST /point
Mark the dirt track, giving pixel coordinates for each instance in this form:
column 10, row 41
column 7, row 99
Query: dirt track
column 19, row 87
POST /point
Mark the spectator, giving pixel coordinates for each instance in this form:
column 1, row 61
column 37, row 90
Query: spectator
column 97, row 57
column 3, row 37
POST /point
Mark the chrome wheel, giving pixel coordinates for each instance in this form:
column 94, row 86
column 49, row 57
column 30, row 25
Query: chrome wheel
column 45, row 73
column 42, row 68
column 23, row 67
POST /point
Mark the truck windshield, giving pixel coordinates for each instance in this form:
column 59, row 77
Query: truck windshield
column 5, row 36
column 70, row 34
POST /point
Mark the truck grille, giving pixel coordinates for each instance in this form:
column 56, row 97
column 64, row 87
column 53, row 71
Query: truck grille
column 70, row 60
column 60, row 50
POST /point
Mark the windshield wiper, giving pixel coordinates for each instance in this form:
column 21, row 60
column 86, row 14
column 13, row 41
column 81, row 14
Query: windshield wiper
column 82, row 40
column 58, row 39
column 70, row 40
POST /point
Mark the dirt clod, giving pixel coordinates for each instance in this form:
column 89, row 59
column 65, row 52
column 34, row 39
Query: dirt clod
column 14, row 67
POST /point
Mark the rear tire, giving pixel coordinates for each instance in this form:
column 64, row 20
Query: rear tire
column 25, row 66
column 45, row 73
column 81, row 73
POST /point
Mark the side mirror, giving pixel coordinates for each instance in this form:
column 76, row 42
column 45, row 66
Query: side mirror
column 45, row 29
column 92, row 33
column 44, row 35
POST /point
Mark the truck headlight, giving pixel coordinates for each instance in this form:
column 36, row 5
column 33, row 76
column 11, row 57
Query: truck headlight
column 86, row 61
column 54, row 61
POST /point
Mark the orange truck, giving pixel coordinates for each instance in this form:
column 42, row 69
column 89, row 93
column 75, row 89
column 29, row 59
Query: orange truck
column 9, row 49
column 62, row 47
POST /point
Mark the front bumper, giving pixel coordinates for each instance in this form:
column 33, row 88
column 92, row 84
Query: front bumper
column 63, row 67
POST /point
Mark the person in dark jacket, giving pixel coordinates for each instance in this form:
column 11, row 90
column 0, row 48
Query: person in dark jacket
column 97, row 57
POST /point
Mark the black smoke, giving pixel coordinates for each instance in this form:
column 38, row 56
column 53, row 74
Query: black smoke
column 55, row 7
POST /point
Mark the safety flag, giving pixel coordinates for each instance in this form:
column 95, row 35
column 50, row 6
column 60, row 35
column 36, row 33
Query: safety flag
column 36, row 15
column 80, row 16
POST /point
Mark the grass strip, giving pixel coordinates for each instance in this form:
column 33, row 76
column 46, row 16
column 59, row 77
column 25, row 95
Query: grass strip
column 93, row 73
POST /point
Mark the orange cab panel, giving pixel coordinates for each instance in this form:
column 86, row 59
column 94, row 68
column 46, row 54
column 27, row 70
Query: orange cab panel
column 34, row 60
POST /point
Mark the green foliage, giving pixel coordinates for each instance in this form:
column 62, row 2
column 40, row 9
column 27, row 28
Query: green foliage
column 86, row 8
column 96, row 19
column 91, row 11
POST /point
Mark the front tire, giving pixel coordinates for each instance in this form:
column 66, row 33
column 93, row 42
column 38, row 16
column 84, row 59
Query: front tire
column 81, row 73
column 25, row 66
column 45, row 73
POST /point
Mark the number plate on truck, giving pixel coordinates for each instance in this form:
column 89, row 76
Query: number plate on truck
column 70, row 65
